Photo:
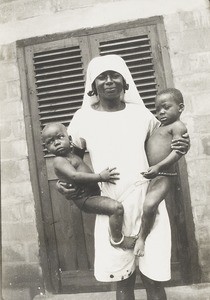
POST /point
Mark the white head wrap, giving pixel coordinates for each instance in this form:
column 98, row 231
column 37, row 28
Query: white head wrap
column 115, row 63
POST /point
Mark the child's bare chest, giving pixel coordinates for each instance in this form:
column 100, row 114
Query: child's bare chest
column 162, row 133
column 158, row 146
column 79, row 164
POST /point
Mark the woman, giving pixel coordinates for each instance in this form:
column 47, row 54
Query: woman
column 113, row 124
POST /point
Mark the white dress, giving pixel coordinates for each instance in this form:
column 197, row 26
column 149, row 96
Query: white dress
column 116, row 139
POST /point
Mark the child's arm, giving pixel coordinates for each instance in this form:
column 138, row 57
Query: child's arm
column 177, row 131
column 66, row 172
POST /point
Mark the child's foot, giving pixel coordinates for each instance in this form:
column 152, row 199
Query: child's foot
column 139, row 247
column 126, row 242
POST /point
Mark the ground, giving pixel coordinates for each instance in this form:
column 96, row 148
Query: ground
column 191, row 292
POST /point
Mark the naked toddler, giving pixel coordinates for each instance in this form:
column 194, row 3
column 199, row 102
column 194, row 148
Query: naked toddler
column 169, row 106
column 70, row 168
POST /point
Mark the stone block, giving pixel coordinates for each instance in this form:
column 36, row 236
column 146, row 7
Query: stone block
column 13, row 252
column 200, row 147
column 3, row 94
column 203, row 235
column 8, row 52
column 6, row 12
column 13, row 130
column 171, row 23
column 187, row 119
column 205, row 276
column 195, row 149
column 199, row 169
column 18, row 212
column 175, row 43
column 190, row 20
column 15, row 170
column 60, row 5
column 204, row 257
column 196, row 40
column 33, row 252
column 17, row 294
column 192, row 83
column 17, row 192
column 180, row 64
column 202, row 213
column 11, row 213
column 28, row 212
column 20, row 231
column 197, row 62
column 30, row 9
column 14, row 149
column 206, row 145
column 189, row 63
column 22, row 275
column 18, row 130
column 12, row 110
column 9, row 71
column 202, row 124
column 14, row 89
column 188, row 108
column 187, row 43
column 6, row 130
column 208, row 187
column 8, row 1
column 200, row 103
column 198, row 190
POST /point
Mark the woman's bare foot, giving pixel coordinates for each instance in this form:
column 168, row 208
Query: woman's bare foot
column 139, row 247
column 127, row 242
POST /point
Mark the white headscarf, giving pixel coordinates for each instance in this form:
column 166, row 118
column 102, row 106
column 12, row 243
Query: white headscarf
column 115, row 63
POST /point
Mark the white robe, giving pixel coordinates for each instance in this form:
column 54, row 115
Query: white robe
column 116, row 139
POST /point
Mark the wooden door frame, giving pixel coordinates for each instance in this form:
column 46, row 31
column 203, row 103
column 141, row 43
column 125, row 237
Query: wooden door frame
column 48, row 250
column 50, row 272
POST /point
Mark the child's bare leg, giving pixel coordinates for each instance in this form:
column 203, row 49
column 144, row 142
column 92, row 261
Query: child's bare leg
column 106, row 206
column 157, row 190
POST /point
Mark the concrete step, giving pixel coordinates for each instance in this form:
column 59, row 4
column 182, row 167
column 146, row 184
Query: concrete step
column 190, row 292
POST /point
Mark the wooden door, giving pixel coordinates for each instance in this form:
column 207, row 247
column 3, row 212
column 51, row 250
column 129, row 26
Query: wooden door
column 56, row 90
column 55, row 81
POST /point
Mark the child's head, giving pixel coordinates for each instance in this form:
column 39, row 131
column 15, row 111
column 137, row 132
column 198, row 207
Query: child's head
column 56, row 139
column 169, row 105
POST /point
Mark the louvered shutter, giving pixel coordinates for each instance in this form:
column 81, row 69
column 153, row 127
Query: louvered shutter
column 56, row 86
column 59, row 79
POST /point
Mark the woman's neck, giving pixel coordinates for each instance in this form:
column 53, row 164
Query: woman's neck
column 109, row 105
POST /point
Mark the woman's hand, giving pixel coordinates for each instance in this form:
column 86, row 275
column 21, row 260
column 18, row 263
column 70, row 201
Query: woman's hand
column 69, row 191
column 181, row 145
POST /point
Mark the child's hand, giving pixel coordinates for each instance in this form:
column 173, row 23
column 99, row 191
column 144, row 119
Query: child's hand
column 152, row 172
column 109, row 175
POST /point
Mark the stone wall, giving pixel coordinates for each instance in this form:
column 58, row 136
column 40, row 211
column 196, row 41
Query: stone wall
column 188, row 29
column 21, row 268
column 189, row 46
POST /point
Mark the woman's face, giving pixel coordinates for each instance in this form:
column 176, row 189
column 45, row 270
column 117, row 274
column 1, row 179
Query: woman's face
column 109, row 85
